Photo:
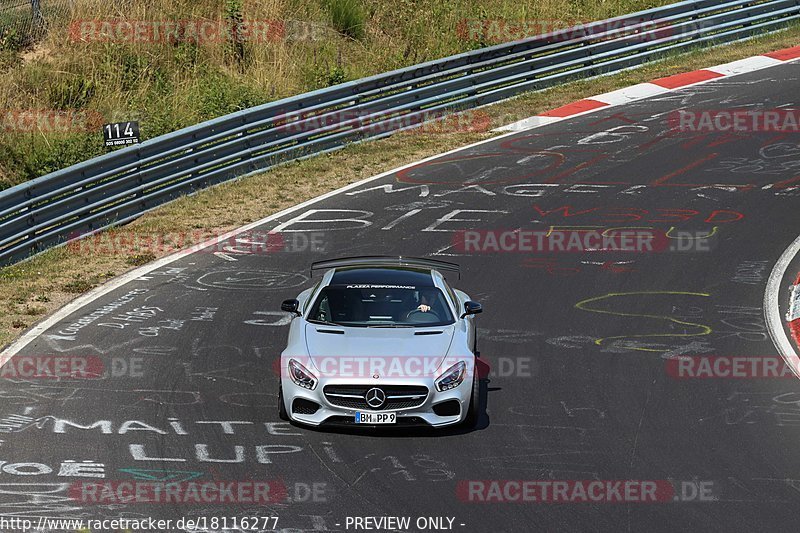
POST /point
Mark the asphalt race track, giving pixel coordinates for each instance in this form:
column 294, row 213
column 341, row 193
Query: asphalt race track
column 580, row 344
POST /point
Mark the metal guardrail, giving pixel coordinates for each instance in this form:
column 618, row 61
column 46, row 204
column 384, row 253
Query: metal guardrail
column 120, row 186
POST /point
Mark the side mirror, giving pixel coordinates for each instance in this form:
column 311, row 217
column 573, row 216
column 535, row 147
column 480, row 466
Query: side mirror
column 290, row 306
column 472, row 308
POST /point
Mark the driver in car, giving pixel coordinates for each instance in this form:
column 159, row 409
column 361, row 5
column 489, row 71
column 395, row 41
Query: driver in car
column 425, row 300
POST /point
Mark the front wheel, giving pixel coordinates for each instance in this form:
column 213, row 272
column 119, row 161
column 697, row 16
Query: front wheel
column 282, row 414
column 473, row 411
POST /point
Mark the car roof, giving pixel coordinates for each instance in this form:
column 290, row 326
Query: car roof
column 382, row 276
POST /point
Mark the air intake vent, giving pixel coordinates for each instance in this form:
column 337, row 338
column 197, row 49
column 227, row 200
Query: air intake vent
column 438, row 332
column 301, row 406
column 334, row 331
column 448, row 408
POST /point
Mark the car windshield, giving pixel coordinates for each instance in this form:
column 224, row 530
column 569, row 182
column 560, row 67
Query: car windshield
column 381, row 306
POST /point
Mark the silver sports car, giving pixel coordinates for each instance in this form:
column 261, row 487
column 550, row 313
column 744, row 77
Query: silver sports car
column 381, row 341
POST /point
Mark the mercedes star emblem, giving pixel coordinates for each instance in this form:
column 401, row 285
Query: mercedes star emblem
column 375, row 398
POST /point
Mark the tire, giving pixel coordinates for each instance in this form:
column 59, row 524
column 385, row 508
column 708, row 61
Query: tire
column 473, row 411
column 282, row 414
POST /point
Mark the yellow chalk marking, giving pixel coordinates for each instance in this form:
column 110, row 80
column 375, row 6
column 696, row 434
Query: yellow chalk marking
column 704, row 330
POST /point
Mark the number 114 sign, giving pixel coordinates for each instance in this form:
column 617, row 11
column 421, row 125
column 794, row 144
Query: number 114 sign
column 121, row 134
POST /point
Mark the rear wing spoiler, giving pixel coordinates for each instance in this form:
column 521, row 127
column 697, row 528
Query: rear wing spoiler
column 381, row 260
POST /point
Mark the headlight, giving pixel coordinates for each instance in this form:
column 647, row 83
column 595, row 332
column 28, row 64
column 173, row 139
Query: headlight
column 301, row 375
column 452, row 377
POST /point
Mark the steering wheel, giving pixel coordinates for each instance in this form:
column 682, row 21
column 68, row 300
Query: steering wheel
column 420, row 314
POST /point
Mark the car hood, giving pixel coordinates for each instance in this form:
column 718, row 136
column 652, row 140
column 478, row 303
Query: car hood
column 391, row 346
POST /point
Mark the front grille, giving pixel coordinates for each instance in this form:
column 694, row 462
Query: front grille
column 397, row 396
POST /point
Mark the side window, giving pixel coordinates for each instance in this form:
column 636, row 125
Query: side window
column 324, row 310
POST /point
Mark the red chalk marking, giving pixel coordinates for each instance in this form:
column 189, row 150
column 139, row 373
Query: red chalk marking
column 729, row 138
column 621, row 215
column 683, row 170
column 564, row 209
column 603, row 183
column 573, row 170
column 785, row 183
column 660, row 137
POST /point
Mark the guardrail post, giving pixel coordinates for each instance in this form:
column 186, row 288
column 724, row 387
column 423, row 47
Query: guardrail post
column 697, row 27
column 246, row 137
column 139, row 181
column 745, row 6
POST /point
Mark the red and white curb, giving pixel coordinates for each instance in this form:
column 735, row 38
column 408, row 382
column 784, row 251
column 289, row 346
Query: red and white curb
column 655, row 88
column 793, row 316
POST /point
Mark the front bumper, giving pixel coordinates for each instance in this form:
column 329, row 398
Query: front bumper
column 419, row 415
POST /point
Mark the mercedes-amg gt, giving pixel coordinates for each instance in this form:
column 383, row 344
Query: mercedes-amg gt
column 381, row 341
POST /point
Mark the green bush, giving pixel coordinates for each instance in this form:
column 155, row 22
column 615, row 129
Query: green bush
column 234, row 17
column 8, row 59
column 327, row 76
column 11, row 39
column 326, row 68
column 348, row 17
column 187, row 54
column 70, row 92
column 27, row 157
column 220, row 95
column 16, row 30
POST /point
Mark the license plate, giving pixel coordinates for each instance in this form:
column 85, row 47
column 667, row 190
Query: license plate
column 376, row 418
